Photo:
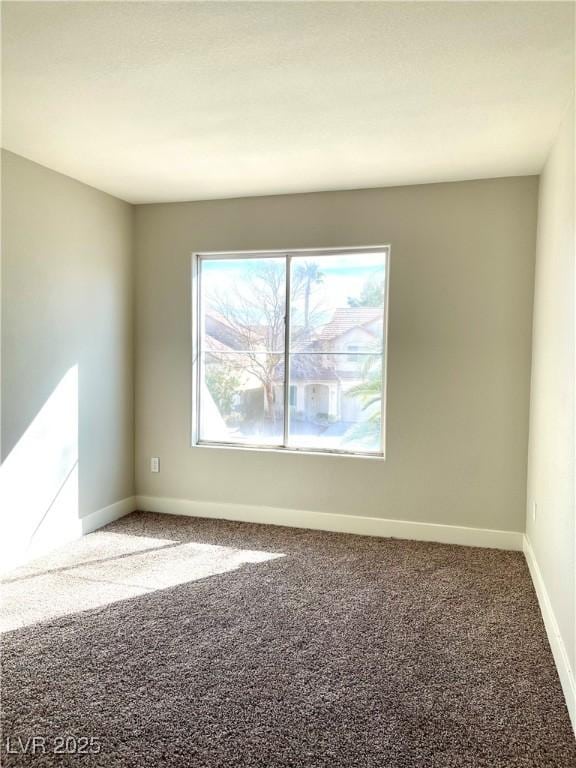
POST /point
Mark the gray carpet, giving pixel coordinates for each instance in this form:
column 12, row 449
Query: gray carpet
column 182, row 642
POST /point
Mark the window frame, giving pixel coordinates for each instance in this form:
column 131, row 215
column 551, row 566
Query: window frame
column 196, row 329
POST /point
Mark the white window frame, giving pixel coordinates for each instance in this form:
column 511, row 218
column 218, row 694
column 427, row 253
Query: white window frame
column 196, row 332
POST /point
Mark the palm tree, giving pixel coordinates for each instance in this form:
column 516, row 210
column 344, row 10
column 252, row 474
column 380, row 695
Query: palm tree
column 309, row 274
column 369, row 392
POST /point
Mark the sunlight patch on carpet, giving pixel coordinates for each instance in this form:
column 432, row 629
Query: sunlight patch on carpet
column 107, row 567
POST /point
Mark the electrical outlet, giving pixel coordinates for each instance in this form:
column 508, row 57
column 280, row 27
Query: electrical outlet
column 534, row 509
column 155, row 464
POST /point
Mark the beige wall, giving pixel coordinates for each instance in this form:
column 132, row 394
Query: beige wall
column 459, row 351
column 552, row 468
column 66, row 318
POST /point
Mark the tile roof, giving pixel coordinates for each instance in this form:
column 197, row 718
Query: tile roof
column 221, row 334
column 346, row 318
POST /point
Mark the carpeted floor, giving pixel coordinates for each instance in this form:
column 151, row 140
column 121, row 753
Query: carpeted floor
column 181, row 642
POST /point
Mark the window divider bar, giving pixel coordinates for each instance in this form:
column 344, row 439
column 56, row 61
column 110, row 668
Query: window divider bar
column 197, row 349
column 287, row 350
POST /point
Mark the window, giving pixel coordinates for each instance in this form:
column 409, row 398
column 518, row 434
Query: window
column 353, row 349
column 290, row 349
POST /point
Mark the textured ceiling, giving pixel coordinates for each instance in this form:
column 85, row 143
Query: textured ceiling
column 171, row 101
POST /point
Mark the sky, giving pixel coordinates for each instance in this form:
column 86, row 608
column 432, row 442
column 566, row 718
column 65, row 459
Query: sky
column 344, row 276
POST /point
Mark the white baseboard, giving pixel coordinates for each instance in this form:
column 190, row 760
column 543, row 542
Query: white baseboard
column 559, row 652
column 62, row 531
column 108, row 514
column 326, row 521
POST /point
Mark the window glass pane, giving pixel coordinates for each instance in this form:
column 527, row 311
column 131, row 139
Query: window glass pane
column 338, row 403
column 242, row 306
column 243, row 303
column 336, row 333
column 336, row 314
column 242, row 398
column 337, row 302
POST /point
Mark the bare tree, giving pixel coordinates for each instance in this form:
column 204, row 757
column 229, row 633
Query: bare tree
column 252, row 316
column 253, row 313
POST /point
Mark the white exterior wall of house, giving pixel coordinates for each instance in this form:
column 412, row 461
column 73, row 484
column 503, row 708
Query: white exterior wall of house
column 356, row 340
column 321, row 398
column 311, row 398
column 359, row 339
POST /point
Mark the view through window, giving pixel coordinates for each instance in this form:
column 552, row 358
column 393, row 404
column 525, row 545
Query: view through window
column 290, row 349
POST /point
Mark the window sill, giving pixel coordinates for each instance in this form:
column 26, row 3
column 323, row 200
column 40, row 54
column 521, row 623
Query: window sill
column 290, row 451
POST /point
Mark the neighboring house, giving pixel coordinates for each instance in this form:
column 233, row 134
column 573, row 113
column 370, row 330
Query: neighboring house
column 330, row 363
column 222, row 352
column 327, row 363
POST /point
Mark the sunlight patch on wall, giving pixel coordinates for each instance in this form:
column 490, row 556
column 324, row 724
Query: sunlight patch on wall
column 39, row 479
